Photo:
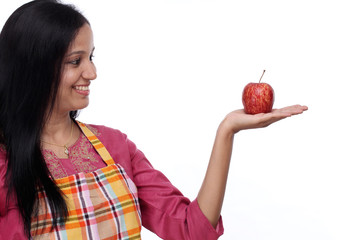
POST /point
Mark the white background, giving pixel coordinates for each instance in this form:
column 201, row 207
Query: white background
column 169, row 71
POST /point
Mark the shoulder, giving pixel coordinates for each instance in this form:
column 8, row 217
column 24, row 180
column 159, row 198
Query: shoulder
column 109, row 136
column 102, row 131
column 114, row 140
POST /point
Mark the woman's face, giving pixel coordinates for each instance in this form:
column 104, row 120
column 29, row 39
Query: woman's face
column 78, row 71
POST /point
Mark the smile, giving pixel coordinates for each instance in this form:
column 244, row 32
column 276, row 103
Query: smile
column 82, row 88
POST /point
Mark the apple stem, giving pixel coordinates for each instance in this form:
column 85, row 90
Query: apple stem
column 262, row 76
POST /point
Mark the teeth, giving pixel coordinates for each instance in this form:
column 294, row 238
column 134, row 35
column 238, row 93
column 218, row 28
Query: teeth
column 82, row 88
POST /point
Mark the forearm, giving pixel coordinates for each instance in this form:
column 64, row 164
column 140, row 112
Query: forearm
column 212, row 191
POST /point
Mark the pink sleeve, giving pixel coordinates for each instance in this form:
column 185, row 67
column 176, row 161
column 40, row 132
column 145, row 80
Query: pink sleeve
column 11, row 225
column 165, row 211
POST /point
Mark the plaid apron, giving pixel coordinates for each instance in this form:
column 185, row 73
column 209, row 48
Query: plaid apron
column 102, row 204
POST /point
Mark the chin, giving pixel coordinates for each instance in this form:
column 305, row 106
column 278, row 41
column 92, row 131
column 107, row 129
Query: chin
column 80, row 107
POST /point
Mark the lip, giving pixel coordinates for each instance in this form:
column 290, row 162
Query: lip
column 82, row 89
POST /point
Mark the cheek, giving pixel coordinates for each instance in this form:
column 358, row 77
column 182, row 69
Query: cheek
column 64, row 90
column 67, row 80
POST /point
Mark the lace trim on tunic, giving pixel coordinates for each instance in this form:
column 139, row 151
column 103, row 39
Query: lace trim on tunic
column 82, row 157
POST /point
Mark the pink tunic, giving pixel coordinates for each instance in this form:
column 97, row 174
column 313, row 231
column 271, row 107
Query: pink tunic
column 165, row 211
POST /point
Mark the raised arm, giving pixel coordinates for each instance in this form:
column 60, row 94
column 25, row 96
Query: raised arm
column 211, row 195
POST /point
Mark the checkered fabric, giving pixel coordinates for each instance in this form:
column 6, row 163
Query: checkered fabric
column 101, row 204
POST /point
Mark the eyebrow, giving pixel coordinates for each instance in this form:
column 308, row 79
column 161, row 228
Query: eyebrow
column 79, row 52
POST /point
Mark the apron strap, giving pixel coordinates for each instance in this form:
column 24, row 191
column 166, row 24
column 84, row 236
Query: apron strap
column 99, row 147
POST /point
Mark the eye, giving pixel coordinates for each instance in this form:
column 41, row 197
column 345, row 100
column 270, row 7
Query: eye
column 91, row 57
column 75, row 61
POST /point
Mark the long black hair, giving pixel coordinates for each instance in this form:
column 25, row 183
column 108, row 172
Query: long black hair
column 33, row 43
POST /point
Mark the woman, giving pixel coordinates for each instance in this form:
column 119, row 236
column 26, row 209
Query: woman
column 62, row 179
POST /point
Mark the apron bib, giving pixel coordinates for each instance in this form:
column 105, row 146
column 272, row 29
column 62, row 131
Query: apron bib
column 102, row 204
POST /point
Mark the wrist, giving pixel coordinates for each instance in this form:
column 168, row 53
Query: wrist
column 225, row 128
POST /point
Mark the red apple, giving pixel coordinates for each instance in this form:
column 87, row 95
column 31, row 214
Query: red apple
column 258, row 97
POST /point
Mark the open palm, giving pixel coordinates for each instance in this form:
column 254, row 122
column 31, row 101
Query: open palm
column 239, row 120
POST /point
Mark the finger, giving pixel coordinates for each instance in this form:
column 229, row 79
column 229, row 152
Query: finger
column 293, row 110
column 265, row 119
column 298, row 109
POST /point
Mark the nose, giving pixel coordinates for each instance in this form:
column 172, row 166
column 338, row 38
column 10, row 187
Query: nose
column 89, row 72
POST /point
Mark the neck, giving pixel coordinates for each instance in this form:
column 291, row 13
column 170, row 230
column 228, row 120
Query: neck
column 57, row 128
